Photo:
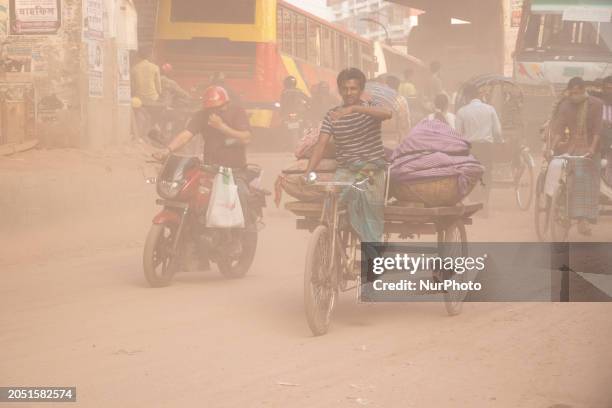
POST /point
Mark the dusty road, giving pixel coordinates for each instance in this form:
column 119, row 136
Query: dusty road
column 82, row 316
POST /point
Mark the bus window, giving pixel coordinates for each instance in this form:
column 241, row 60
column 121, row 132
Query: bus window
column 300, row 36
column 314, row 42
column 333, row 45
column 366, row 62
column 232, row 12
column 342, row 52
column 326, row 49
column 288, row 32
column 356, row 61
column 551, row 33
column 532, row 33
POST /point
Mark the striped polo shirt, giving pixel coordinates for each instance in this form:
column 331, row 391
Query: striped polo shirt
column 357, row 137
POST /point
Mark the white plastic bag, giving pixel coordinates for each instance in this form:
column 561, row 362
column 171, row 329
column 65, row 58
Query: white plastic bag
column 224, row 208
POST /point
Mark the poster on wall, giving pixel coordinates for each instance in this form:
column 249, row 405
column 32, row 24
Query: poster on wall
column 93, row 19
column 34, row 16
column 4, row 18
column 22, row 56
column 124, row 93
column 96, row 68
column 517, row 12
column 127, row 25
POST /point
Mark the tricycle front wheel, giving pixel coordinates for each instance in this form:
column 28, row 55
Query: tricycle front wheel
column 320, row 287
column 453, row 242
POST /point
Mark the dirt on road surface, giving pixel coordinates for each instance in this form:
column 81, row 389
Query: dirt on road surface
column 75, row 310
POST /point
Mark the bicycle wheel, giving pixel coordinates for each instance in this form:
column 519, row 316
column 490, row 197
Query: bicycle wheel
column 320, row 288
column 560, row 223
column 523, row 181
column 541, row 208
column 454, row 244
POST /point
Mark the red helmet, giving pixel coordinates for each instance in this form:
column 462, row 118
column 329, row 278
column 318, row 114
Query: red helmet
column 214, row 96
column 166, row 68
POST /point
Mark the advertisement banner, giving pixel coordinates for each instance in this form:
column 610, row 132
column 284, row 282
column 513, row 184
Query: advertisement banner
column 23, row 55
column 124, row 93
column 93, row 19
column 35, row 16
column 96, row 69
column 517, row 12
column 4, row 18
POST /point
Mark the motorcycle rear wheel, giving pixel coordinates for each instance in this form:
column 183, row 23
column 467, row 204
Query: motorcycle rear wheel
column 238, row 268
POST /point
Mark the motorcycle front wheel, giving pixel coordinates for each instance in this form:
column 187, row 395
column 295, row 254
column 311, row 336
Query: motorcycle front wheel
column 158, row 263
column 239, row 266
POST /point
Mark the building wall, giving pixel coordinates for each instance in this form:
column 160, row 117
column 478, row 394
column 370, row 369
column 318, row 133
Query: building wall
column 57, row 68
column 465, row 50
column 105, row 120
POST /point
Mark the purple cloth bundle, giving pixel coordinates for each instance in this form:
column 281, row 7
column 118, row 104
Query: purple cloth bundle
column 434, row 150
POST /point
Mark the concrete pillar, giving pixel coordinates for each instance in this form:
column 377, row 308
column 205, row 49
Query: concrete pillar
column 465, row 50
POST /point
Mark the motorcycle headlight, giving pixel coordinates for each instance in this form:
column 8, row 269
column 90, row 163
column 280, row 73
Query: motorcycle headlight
column 169, row 189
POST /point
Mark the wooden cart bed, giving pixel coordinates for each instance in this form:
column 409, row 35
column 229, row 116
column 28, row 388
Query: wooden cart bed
column 400, row 217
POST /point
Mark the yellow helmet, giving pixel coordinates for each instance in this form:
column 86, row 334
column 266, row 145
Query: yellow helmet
column 136, row 102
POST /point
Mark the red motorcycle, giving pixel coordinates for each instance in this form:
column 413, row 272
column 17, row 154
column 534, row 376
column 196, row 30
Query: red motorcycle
column 179, row 239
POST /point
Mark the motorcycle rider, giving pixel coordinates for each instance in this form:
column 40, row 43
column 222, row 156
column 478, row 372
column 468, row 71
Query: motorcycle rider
column 293, row 109
column 226, row 132
column 292, row 99
column 172, row 94
column 175, row 102
column 146, row 86
column 219, row 79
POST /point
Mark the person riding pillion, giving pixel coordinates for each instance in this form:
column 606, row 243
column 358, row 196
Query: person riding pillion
column 355, row 127
column 226, row 132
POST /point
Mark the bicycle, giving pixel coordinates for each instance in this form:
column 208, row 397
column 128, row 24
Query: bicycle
column 552, row 212
column 330, row 258
column 522, row 176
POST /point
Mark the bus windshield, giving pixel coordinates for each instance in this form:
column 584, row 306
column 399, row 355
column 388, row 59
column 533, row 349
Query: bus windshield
column 230, row 12
column 549, row 32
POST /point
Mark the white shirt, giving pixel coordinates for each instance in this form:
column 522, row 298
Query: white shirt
column 478, row 122
column 450, row 118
